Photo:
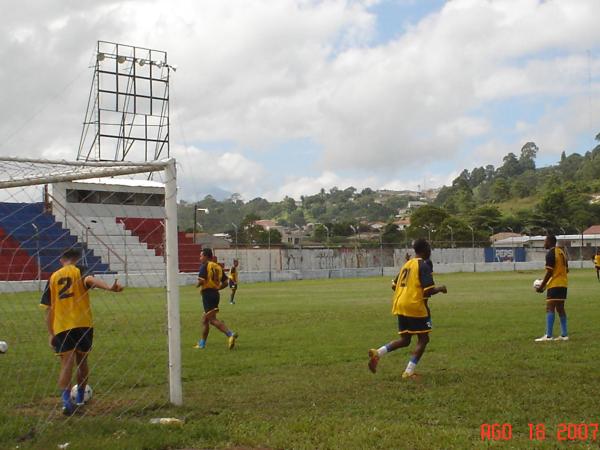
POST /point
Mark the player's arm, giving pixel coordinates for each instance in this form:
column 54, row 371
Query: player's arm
column 202, row 276
column 92, row 282
column 46, row 303
column 433, row 290
column 224, row 280
column 395, row 282
column 550, row 263
column 426, row 278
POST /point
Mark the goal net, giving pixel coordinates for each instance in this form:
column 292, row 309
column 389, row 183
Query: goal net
column 125, row 227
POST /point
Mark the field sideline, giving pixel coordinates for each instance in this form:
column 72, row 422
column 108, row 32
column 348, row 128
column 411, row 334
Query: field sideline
column 298, row 378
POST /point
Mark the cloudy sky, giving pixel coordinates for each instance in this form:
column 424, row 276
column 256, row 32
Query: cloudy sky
column 283, row 97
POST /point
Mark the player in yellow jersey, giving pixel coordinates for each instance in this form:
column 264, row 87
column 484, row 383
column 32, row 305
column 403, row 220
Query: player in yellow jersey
column 233, row 280
column 556, row 281
column 412, row 288
column 69, row 321
column 597, row 264
column 211, row 279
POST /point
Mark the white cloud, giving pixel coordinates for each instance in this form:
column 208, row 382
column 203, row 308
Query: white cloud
column 259, row 72
column 296, row 187
column 200, row 170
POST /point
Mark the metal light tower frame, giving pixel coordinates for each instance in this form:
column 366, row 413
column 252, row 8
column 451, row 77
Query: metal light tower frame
column 127, row 115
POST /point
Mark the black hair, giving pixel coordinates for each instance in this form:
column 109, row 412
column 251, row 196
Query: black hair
column 551, row 239
column 71, row 253
column 421, row 245
column 207, row 252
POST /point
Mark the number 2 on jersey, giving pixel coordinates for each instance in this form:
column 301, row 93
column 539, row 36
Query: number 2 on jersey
column 65, row 291
column 403, row 277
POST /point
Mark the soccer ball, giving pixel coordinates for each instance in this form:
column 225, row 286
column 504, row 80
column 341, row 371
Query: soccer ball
column 87, row 395
column 536, row 284
column 3, row 347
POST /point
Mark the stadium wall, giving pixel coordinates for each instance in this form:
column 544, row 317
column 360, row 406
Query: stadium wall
column 157, row 280
column 282, row 259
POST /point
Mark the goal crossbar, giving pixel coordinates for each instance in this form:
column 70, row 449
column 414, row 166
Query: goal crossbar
column 79, row 170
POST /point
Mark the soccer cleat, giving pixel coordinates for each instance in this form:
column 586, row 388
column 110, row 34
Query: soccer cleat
column 544, row 338
column 201, row 345
column 562, row 338
column 231, row 341
column 373, row 360
column 68, row 410
column 408, row 376
column 80, row 398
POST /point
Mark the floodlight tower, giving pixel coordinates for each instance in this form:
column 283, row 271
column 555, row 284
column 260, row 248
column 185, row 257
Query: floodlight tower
column 127, row 116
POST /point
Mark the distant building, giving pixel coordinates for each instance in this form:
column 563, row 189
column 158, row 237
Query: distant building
column 415, row 204
column 267, row 223
column 377, row 225
column 211, row 241
column 504, row 236
column 402, row 223
column 537, row 242
column 594, row 229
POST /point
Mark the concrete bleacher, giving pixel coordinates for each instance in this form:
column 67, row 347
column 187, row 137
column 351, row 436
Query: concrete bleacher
column 151, row 232
column 29, row 234
column 118, row 246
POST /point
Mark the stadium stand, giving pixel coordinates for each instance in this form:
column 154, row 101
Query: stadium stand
column 151, row 232
column 27, row 234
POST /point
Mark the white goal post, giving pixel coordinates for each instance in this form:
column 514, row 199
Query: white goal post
column 26, row 172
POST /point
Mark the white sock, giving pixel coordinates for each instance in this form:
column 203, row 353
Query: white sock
column 410, row 368
column 382, row 350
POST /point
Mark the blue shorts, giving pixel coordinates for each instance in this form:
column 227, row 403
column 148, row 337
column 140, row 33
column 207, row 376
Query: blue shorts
column 78, row 339
column 556, row 293
column 413, row 325
column 210, row 300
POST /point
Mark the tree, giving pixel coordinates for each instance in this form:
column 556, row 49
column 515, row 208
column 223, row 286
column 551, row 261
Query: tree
column 289, row 204
column 477, row 176
column 500, row 190
column 460, row 231
column 510, row 167
column 367, row 191
column 428, row 215
column 248, row 230
column 320, row 233
column 263, row 236
column 297, row 218
column 391, row 234
column 528, row 154
column 485, row 216
column 519, row 189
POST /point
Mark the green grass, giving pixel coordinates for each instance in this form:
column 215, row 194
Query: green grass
column 516, row 204
column 298, row 378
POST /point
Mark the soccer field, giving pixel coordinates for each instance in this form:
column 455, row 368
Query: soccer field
column 298, row 377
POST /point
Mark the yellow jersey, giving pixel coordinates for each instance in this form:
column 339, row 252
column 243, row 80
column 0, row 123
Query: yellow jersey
column 68, row 299
column 413, row 282
column 213, row 276
column 233, row 274
column 556, row 262
column 597, row 260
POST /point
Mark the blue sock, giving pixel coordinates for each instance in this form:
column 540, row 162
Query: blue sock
column 80, row 395
column 66, row 398
column 414, row 359
column 549, row 323
column 563, row 325
column 201, row 343
column 229, row 333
